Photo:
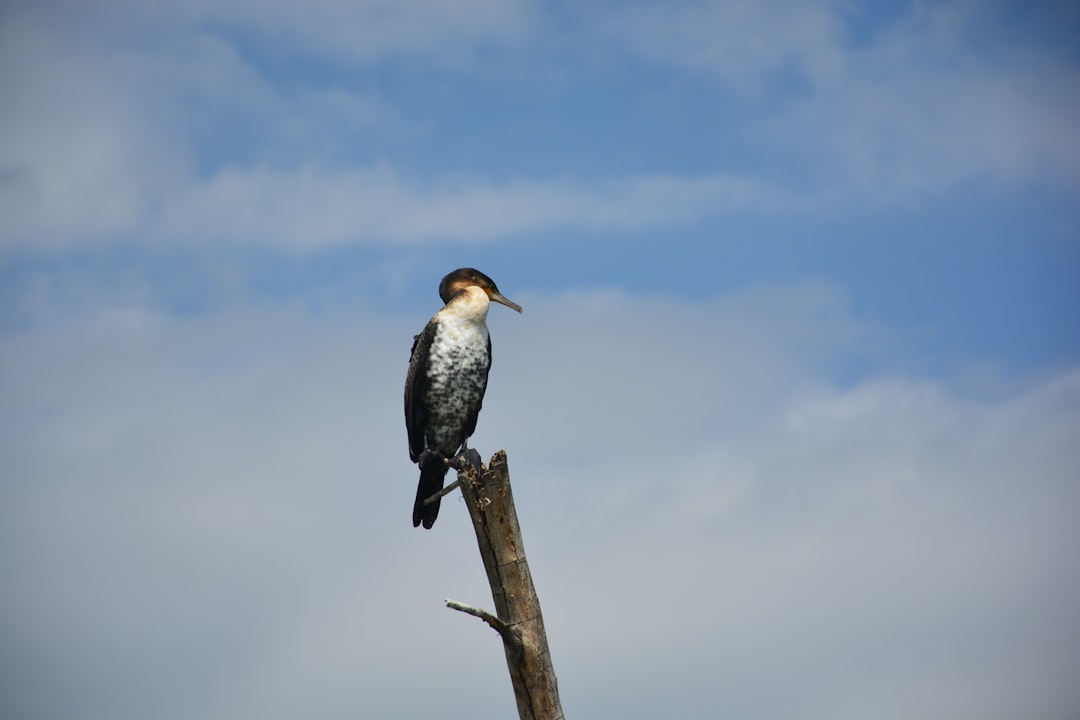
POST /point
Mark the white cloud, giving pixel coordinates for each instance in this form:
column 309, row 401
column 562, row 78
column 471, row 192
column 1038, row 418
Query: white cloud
column 742, row 42
column 313, row 208
column 208, row 517
column 923, row 106
column 356, row 31
column 134, row 122
column 106, row 113
column 76, row 160
column 370, row 28
column 102, row 143
column 922, row 111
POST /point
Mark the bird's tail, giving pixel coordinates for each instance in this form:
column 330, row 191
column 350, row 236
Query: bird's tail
column 432, row 471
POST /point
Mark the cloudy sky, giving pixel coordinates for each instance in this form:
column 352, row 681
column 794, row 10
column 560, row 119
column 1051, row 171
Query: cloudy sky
column 793, row 410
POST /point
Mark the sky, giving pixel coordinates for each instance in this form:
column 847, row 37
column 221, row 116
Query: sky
column 792, row 411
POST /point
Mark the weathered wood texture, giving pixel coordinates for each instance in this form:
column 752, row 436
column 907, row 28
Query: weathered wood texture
column 491, row 506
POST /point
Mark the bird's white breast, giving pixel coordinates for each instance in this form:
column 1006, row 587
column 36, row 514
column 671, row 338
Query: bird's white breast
column 459, row 345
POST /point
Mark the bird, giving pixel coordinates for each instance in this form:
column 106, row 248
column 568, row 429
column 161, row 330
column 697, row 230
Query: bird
column 447, row 378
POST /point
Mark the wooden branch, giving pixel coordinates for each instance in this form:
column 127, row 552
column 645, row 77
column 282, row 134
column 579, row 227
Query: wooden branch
column 491, row 507
column 484, row 615
column 509, row 635
column 445, row 491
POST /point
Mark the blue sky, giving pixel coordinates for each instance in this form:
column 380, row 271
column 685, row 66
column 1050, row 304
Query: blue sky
column 795, row 396
column 920, row 158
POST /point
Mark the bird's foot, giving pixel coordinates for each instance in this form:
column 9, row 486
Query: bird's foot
column 468, row 457
column 428, row 454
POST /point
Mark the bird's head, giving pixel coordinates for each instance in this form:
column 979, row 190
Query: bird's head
column 463, row 278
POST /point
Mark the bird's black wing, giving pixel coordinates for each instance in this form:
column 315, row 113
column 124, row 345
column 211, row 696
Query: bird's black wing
column 416, row 385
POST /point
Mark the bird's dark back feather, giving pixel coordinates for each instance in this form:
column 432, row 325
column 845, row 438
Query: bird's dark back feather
column 416, row 386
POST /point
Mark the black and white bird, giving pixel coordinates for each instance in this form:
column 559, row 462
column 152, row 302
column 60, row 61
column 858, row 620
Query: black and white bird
column 447, row 378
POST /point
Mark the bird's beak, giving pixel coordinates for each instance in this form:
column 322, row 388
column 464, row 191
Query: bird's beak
column 496, row 297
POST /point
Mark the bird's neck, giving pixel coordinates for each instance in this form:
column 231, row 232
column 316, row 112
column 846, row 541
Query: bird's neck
column 469, row 306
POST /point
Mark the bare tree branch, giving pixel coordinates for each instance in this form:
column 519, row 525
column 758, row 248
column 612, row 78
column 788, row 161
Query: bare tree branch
column 445, row 491
column 491, row 506
column 509, row 635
